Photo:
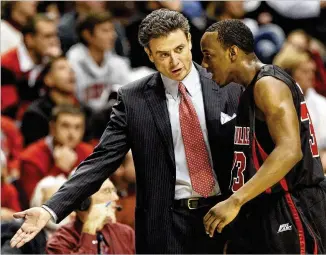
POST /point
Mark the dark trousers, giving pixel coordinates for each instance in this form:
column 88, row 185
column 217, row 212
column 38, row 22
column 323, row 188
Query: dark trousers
column 289, row 223
column 189, row 233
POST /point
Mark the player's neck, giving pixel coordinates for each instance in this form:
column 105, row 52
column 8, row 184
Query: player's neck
column 251, row 66
column 97, row 55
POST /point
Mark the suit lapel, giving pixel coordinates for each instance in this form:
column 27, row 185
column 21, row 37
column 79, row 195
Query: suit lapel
column 156, row 100
column 212, row 102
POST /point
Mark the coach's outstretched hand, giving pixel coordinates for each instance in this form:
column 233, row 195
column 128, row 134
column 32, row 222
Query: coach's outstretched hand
column 34, row 220
column 220, row 215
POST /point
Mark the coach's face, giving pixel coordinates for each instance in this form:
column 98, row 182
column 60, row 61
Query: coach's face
column 171, row 54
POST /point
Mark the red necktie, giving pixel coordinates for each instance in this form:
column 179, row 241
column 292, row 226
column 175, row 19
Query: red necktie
column 201, row 173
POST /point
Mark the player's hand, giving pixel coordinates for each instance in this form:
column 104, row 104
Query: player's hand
column 220, row 215
column 34, row 220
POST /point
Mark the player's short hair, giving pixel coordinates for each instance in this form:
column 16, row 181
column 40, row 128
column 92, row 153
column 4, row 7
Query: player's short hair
column 90, row 22
column 160, row 23
column 233, row 32
column 66, row 109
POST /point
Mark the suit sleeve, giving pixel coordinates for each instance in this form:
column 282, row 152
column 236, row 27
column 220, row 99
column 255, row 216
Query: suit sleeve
column 96, row 168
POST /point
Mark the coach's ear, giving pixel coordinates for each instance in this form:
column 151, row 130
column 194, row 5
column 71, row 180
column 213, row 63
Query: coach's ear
column 149, row 54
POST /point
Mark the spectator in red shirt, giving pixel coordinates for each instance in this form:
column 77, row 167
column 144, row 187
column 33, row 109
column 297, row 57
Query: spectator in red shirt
column 21, row 66
column 9, row 196
column 57, row 153
column 59, row 80
column 11, row 145
column 81, row 235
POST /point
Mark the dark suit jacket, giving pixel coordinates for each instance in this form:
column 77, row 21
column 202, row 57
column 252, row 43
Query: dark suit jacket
column 140, row 121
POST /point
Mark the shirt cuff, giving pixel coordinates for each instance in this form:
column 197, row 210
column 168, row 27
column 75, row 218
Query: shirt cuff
column 53, row 214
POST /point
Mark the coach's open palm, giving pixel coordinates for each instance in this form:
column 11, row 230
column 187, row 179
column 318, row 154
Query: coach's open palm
column 34, row 220
column 220, row 215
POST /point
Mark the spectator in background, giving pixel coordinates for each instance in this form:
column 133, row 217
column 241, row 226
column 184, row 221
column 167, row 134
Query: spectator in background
column 302, row 42
column 43, row 191
column 15, row 15
column 59, row 80
column 70, row 20
column 57, row 153
column 301, row 66
column 21, row 66
column 80, row 236
column 125, row 181
column 99, row 71
column 11, row 145
column 9, row 196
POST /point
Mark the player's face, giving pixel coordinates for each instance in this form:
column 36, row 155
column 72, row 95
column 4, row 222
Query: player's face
column 104, row 36
column 62, row 76
column 69, row 129
column 215, row 58
column 171, row 54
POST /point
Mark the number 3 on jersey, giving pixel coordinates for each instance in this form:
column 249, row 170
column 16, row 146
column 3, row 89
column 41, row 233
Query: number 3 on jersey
column 239, row 165
column 312, row 140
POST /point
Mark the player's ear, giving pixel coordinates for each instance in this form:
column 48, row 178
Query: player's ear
column 233, row 53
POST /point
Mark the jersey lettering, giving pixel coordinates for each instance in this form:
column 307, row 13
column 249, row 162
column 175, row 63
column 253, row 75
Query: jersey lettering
column 241, row 135
column 239, row 165
column 305, row 116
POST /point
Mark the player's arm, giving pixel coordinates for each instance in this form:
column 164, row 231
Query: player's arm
column 274, row 99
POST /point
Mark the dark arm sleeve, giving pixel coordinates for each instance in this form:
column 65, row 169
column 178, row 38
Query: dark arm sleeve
column 97, row 167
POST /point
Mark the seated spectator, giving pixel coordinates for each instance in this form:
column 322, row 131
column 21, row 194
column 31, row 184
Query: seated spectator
column 302, row 68
column 15, row 17
column 57, row 153
column 82, row 235
column 59, row 80
column 43, row 191
column 99, row 71
column 9, row 196
column 300, row 40
column 125, row 179
column 21, row 66
column 11, row 145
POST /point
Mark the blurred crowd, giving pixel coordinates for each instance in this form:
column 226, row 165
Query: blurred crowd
column 62, row 63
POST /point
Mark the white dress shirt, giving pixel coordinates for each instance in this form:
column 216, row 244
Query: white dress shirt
column 183, row 187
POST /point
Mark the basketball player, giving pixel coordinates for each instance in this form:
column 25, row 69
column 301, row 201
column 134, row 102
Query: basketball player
column 277, row 177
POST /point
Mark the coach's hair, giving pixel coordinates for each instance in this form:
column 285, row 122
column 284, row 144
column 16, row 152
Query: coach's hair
column 233, row 32
column 30, row 27
column 90, row 22
column 160, row 23
column 66, row 108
